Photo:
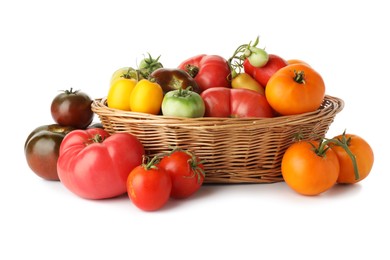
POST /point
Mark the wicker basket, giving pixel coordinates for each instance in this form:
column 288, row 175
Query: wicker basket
column 235, row 150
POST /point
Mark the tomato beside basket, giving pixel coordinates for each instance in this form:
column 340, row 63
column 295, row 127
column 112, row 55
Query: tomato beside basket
column 234, row 150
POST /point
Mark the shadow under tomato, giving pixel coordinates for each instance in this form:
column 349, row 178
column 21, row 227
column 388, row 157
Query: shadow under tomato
column 344, row 189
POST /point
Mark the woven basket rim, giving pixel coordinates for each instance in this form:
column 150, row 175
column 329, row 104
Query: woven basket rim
column 330, row 106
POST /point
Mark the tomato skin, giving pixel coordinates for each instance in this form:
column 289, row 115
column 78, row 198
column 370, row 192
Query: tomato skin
column 364, row 157
column 149, row 188
column 244, row 80
column 72, row 108
column 289, row 96
column 264, row 73
column 183, row 103
column 174, row 79
column 213, row 71
column 185, row 170
column 42, row 148
column 98, row 170
column 227, row 102
column 146, row 97
column 308, row 173
column 119, row 93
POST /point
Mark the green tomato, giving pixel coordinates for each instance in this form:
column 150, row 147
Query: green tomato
column 183, row 103
column 257, row 57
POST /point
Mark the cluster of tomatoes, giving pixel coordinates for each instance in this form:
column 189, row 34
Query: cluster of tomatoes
column 94, row 164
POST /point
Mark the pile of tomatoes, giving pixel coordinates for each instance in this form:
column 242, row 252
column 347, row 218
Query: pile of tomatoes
column 94, row 164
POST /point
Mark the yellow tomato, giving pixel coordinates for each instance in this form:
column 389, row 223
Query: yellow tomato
column 244, row 80
column 146, row 97
column 119, row 93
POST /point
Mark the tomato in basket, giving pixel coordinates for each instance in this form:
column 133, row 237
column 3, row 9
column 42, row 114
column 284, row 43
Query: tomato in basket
column 227, row 102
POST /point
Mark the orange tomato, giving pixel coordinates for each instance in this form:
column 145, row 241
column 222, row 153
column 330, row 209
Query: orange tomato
column 364, row 156
column 244, row 80
column 307, row 172
column 295, row 89
column 297, row 61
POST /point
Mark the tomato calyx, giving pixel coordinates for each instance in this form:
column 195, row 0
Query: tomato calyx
column 148, row 163
column 148, row 65
column 192, row 70
column 71, row 91
column 256, row 56
column 299, row 77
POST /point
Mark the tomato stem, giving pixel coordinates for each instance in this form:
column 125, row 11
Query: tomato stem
column 192, row 70
column 150, row 163
column 299, row 77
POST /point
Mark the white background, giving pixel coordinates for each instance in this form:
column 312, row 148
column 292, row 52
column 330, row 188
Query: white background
column 47, row 46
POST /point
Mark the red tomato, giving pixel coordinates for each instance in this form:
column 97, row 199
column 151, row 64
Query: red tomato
column 208, row 70
column 264, row 73
column 149, row 187
column 226, row 102
column 95, row 165
column 186, row 171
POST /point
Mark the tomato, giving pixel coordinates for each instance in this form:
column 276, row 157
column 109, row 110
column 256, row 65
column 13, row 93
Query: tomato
column 72, row 108
column 363, row 154
column 173, row 79
column 257, row 57
column 148, row 186
column 147, row 65
column 186, row 171
column 264, row 73
column 309, row 168
column 295, row 89
column 146, row 97
column 244, row 80
column 297, row 61
column 94, row 165
column 226, row 102
column 208, row 70
column 42, row 149
column 119, row 74
column 183, row 103
column 119, row 93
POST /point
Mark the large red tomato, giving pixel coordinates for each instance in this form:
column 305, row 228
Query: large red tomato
column 227, row 102
column 208, row 70
column 95, row 165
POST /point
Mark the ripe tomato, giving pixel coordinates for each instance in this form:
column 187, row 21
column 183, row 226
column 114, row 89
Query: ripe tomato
column 146, row 97
column 308, row 171
column 295, row 89
column 149, row 186
column 208, row 70
column 183, row 103
column 186, row 171
column 95, row 165
column 42, row 148
column 264, row 73
column 230, row 102
column 364, row 156
column 174, row 79
column 119, row 93
column 297, row 61
column 244, row 80
column 72, row 108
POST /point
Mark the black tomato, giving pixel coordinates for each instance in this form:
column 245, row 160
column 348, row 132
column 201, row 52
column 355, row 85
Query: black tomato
column 174, row 79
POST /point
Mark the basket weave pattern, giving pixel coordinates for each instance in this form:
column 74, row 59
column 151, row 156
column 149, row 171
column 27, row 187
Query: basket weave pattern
column 234, row 150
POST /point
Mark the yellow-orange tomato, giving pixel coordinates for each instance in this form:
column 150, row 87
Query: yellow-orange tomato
column 119, row 93
column 146, row 97
column 244, row 80
column 295, row 89
column 364, row 158
column 297, row 61
column 306, row 172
